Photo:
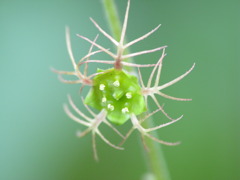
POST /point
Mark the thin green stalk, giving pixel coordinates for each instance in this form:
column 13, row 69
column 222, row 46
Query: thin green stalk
column 113, row 18
column 154, row 156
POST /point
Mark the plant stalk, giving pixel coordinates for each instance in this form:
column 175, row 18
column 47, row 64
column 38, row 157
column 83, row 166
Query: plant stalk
column 154, row 156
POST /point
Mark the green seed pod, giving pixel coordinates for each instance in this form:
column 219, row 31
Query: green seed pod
column 119, row 93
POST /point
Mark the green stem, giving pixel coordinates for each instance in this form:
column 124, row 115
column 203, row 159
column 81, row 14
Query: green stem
column 113, row 18
column 154, row 155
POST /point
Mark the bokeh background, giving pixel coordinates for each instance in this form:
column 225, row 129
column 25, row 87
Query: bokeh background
column 37, row 139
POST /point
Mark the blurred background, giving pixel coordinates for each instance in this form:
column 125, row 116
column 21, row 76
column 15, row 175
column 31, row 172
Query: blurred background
column 38, row 141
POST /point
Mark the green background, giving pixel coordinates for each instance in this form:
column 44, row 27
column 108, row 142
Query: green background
column 37, row 139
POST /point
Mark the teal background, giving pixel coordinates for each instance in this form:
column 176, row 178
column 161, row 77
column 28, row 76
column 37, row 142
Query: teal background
column 37, row 139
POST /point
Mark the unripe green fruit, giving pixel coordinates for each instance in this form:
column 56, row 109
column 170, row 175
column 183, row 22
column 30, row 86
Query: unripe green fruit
column 118, row 93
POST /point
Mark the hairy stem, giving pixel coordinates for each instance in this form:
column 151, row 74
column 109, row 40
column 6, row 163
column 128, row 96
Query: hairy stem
column 154, row 156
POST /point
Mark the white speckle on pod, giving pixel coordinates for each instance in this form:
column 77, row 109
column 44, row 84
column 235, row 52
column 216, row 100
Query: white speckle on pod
column 129, row 95
column 104, row 99
column 116, row 83
column 101, row 87
column 125, row 110
column 110, row 107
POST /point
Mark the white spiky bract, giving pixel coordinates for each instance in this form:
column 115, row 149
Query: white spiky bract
column 92, row 124
column 118, row 57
